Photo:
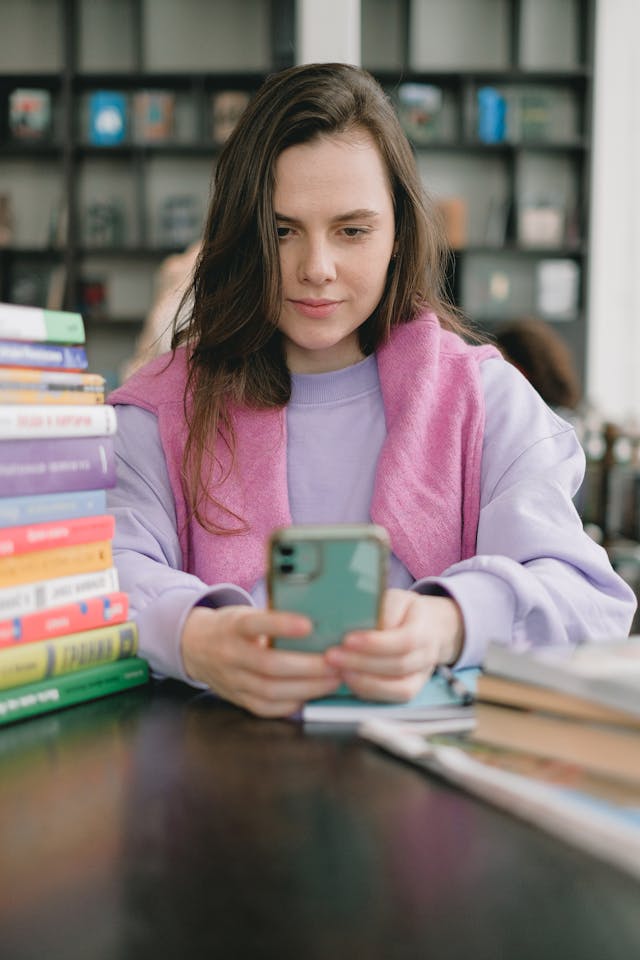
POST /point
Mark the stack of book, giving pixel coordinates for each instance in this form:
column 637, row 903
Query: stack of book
column 65, row 636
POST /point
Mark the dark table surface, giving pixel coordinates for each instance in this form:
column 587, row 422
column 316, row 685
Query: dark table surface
column 160, row 823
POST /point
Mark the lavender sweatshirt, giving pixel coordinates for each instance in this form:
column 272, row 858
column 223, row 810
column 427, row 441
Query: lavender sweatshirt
column 536, row 578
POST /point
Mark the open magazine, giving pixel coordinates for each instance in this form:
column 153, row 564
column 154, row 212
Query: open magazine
column 599, row 815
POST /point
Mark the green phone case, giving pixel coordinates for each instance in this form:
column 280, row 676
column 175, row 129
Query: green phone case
column 335, row 575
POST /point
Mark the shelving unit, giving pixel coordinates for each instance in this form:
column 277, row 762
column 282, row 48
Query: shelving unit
column 532, row 179
column 73, row 48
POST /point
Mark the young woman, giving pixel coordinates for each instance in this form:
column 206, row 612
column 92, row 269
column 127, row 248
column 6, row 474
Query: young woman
column 322, row 377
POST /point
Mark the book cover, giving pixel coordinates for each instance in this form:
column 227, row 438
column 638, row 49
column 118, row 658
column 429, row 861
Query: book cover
column 83, row 383
column 42, row 594
column 153, row 112
column 40, row 508
column 40, row 421
column 55, row 533
column 605, row 672
column 60, row 561
column 32, row 699
column 605, row 822
column 436, row 701
column 70, row 618
column 30, row 114
column 107, row 117
column 34, row 323
column 21, row 395
column 31, row 662
column 58, row 465
column 45, row 356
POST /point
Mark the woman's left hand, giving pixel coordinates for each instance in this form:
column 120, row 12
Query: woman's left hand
column 393, row 663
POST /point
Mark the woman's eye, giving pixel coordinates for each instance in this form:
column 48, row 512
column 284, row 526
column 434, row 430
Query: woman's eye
column 354, row 231
column 283, row 232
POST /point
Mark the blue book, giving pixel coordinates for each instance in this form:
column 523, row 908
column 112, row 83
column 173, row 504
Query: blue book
column 438, row 700
column 107, row 118
column 15, row 353
column 42, row 508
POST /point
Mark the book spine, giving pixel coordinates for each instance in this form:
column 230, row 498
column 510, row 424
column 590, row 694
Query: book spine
column 19, row 377
column 59, row 465
column 70, row 618
column 62, row 533
column 45, row 395
column 48, row 695
column 45, row 356
column 43, row 594
column 62, row 561
column 31, row 662
column 34, row 323
column 40, row 421
column 16, row 511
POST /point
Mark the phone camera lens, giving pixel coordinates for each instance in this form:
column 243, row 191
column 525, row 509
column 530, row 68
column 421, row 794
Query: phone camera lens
column 286, row 551
column 286, row 568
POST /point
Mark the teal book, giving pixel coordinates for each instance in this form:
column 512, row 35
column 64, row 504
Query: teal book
column 439, row 700
column 56, row 693
column 34, row 323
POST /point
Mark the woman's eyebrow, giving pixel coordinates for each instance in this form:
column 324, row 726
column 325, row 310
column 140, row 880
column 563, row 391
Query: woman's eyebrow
column 363, row 213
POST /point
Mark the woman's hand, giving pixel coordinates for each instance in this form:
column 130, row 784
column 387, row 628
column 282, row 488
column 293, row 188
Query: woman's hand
column 393, row 663
column 228, row 649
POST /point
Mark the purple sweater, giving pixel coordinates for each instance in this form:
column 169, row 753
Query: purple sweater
column 536, row 577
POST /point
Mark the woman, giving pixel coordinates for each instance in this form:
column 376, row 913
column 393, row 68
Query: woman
column 321, row 378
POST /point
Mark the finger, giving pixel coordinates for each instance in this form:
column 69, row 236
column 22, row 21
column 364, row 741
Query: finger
column 380, row 643
column 268, row 662
column 274, row 623
column 388, row 665
column 281, row 693
column 395, row 690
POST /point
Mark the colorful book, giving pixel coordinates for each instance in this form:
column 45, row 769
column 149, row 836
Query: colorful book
column 31, row 662
column 71, row 688
column 42, row 594
column 50, row 397
column 52, row 534
column 60, row 561
column 62, row 464
column 53, row 380
column 70, row 618
column 35, row 323
column 42, row 356
column 40, row 508
column 438, row 701
column 41, row 421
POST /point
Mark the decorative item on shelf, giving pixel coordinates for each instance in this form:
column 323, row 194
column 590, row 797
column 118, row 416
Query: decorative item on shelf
column 153, row 116
column 492, row 115
column 30, row 114
column 107, row 118
column 6, row 220
column 180, row 220
column 29, row 285
column 541, row 224
column 92, row 298
column 419, row 106
column 557, row 288
column 453, row 211
column 535, row 114
column 104, row 224
column 226, row 108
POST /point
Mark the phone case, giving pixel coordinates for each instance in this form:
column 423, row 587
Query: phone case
column 335, row 575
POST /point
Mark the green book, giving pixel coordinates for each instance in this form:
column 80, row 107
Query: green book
column 41, row 326
column 32, row 699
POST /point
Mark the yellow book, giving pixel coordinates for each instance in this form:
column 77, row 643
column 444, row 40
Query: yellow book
column 13, row 396
column 59, row 562
column 31, row 662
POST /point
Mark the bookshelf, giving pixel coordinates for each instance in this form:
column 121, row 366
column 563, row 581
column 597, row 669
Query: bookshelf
column 87, row 223
column 502, row 136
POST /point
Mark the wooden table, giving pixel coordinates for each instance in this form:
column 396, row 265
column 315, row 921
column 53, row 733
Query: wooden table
column 159, row 823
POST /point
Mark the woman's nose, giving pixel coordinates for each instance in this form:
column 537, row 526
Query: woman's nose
column 317, row 263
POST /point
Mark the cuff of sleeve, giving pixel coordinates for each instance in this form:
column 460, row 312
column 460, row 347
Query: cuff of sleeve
column 488, row 607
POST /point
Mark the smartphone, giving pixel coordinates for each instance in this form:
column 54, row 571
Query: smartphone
column 336, row 575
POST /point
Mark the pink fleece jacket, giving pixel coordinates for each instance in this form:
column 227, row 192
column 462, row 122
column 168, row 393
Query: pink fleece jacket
column 427, row 487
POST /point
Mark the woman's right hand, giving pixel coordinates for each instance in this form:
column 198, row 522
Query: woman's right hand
column 228, row 649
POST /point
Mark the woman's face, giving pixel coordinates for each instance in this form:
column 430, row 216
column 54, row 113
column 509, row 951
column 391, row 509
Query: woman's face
column 336, row 231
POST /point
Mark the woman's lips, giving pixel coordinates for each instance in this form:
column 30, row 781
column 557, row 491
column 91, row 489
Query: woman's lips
column 316, row 309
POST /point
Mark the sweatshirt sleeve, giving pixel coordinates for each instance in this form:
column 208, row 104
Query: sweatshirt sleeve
column 146, row 547
column 537, row 578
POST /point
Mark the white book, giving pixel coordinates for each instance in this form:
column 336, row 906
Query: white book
column 34, row 323
column 41, row 420
column 42, row 594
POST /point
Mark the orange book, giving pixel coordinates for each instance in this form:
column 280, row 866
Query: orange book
column 55, row 533
column 59, row 562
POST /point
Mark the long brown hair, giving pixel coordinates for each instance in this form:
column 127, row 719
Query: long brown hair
column 235, row 349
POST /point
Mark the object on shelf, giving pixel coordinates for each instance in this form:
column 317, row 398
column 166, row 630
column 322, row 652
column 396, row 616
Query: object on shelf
column 104, row 224
column 492, row 115
column 92, row 298
column 153, row 116
column 30, row 114
column 557, row 288
column 453, row 211
column 179, row 220
column 541, row 225
column 419, row 106
column 535, row 114
column 226, row 108
column 29, row 285
column 6, row 220
column 495, row 229
column 107, row 118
